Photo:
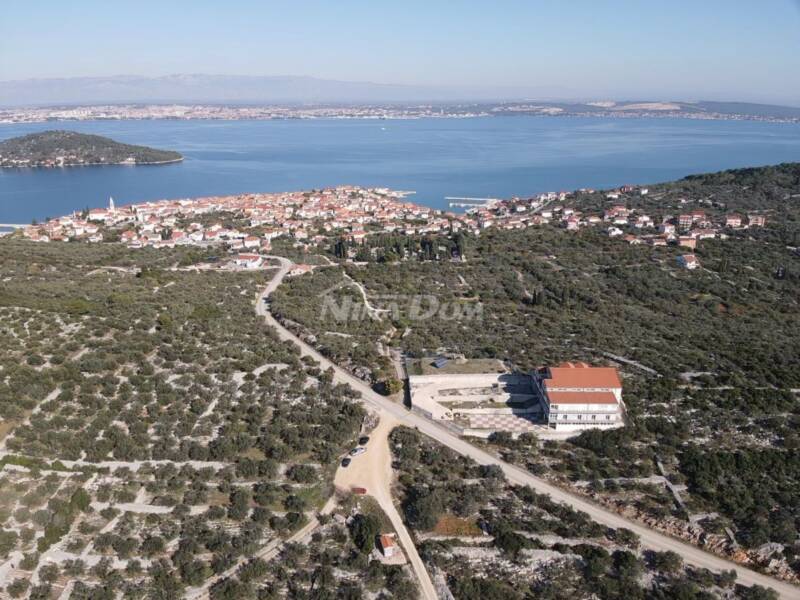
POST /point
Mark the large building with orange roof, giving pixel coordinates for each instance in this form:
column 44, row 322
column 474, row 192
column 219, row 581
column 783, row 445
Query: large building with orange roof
column 578, row 396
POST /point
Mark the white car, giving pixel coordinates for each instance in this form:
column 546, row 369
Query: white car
column 357, row 451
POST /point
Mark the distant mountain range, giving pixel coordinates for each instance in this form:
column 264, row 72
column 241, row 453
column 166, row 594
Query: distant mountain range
column 234, row 89
column 289, row 90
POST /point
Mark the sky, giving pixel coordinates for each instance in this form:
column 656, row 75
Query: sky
column 618, row 49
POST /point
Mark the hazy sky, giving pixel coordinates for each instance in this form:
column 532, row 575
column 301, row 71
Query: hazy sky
column 699, row 49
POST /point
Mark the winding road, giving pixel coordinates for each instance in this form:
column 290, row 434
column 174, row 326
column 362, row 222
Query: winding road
column 649, row 538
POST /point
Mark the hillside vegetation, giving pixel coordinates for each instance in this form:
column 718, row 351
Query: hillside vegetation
column 549, row 294
column 719, row 404
column 159, row 386
column 70, row 148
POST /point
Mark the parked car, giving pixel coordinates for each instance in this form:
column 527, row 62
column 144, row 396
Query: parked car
column 357, row 451
column 363, row 440
column 345, row 462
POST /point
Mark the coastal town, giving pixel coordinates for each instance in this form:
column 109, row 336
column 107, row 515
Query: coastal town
column 427, row 110
column 311, row 218
column 299, row 215
column 204, row 112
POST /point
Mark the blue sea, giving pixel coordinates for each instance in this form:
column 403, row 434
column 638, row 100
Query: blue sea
column 479, row 157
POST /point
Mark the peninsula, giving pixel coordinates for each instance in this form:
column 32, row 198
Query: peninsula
column 69, row 148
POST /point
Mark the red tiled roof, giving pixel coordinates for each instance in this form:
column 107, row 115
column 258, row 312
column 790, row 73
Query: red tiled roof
column 581, row 375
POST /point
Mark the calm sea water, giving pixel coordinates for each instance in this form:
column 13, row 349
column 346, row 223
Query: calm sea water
column 495, row 157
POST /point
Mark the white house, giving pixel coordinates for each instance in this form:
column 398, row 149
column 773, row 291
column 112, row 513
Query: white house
column 300, row 270
column 666, row 228
column 688, row 261
column 248, row 261
column 577, row 396
column 733, row 221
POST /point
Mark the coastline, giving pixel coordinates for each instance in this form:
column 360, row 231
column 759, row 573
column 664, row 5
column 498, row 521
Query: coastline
column 96, row 164
column 277, row 111
column 267, row 156
column 410, row 117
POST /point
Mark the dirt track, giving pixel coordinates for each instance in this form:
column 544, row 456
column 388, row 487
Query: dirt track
column 373, row 471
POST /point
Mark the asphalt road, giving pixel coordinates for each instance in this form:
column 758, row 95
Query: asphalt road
column 649, row 538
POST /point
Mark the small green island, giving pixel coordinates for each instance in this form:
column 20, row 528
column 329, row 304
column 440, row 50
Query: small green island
column 57, row 148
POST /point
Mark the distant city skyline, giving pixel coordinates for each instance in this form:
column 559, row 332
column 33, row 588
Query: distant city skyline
column 617, row 49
